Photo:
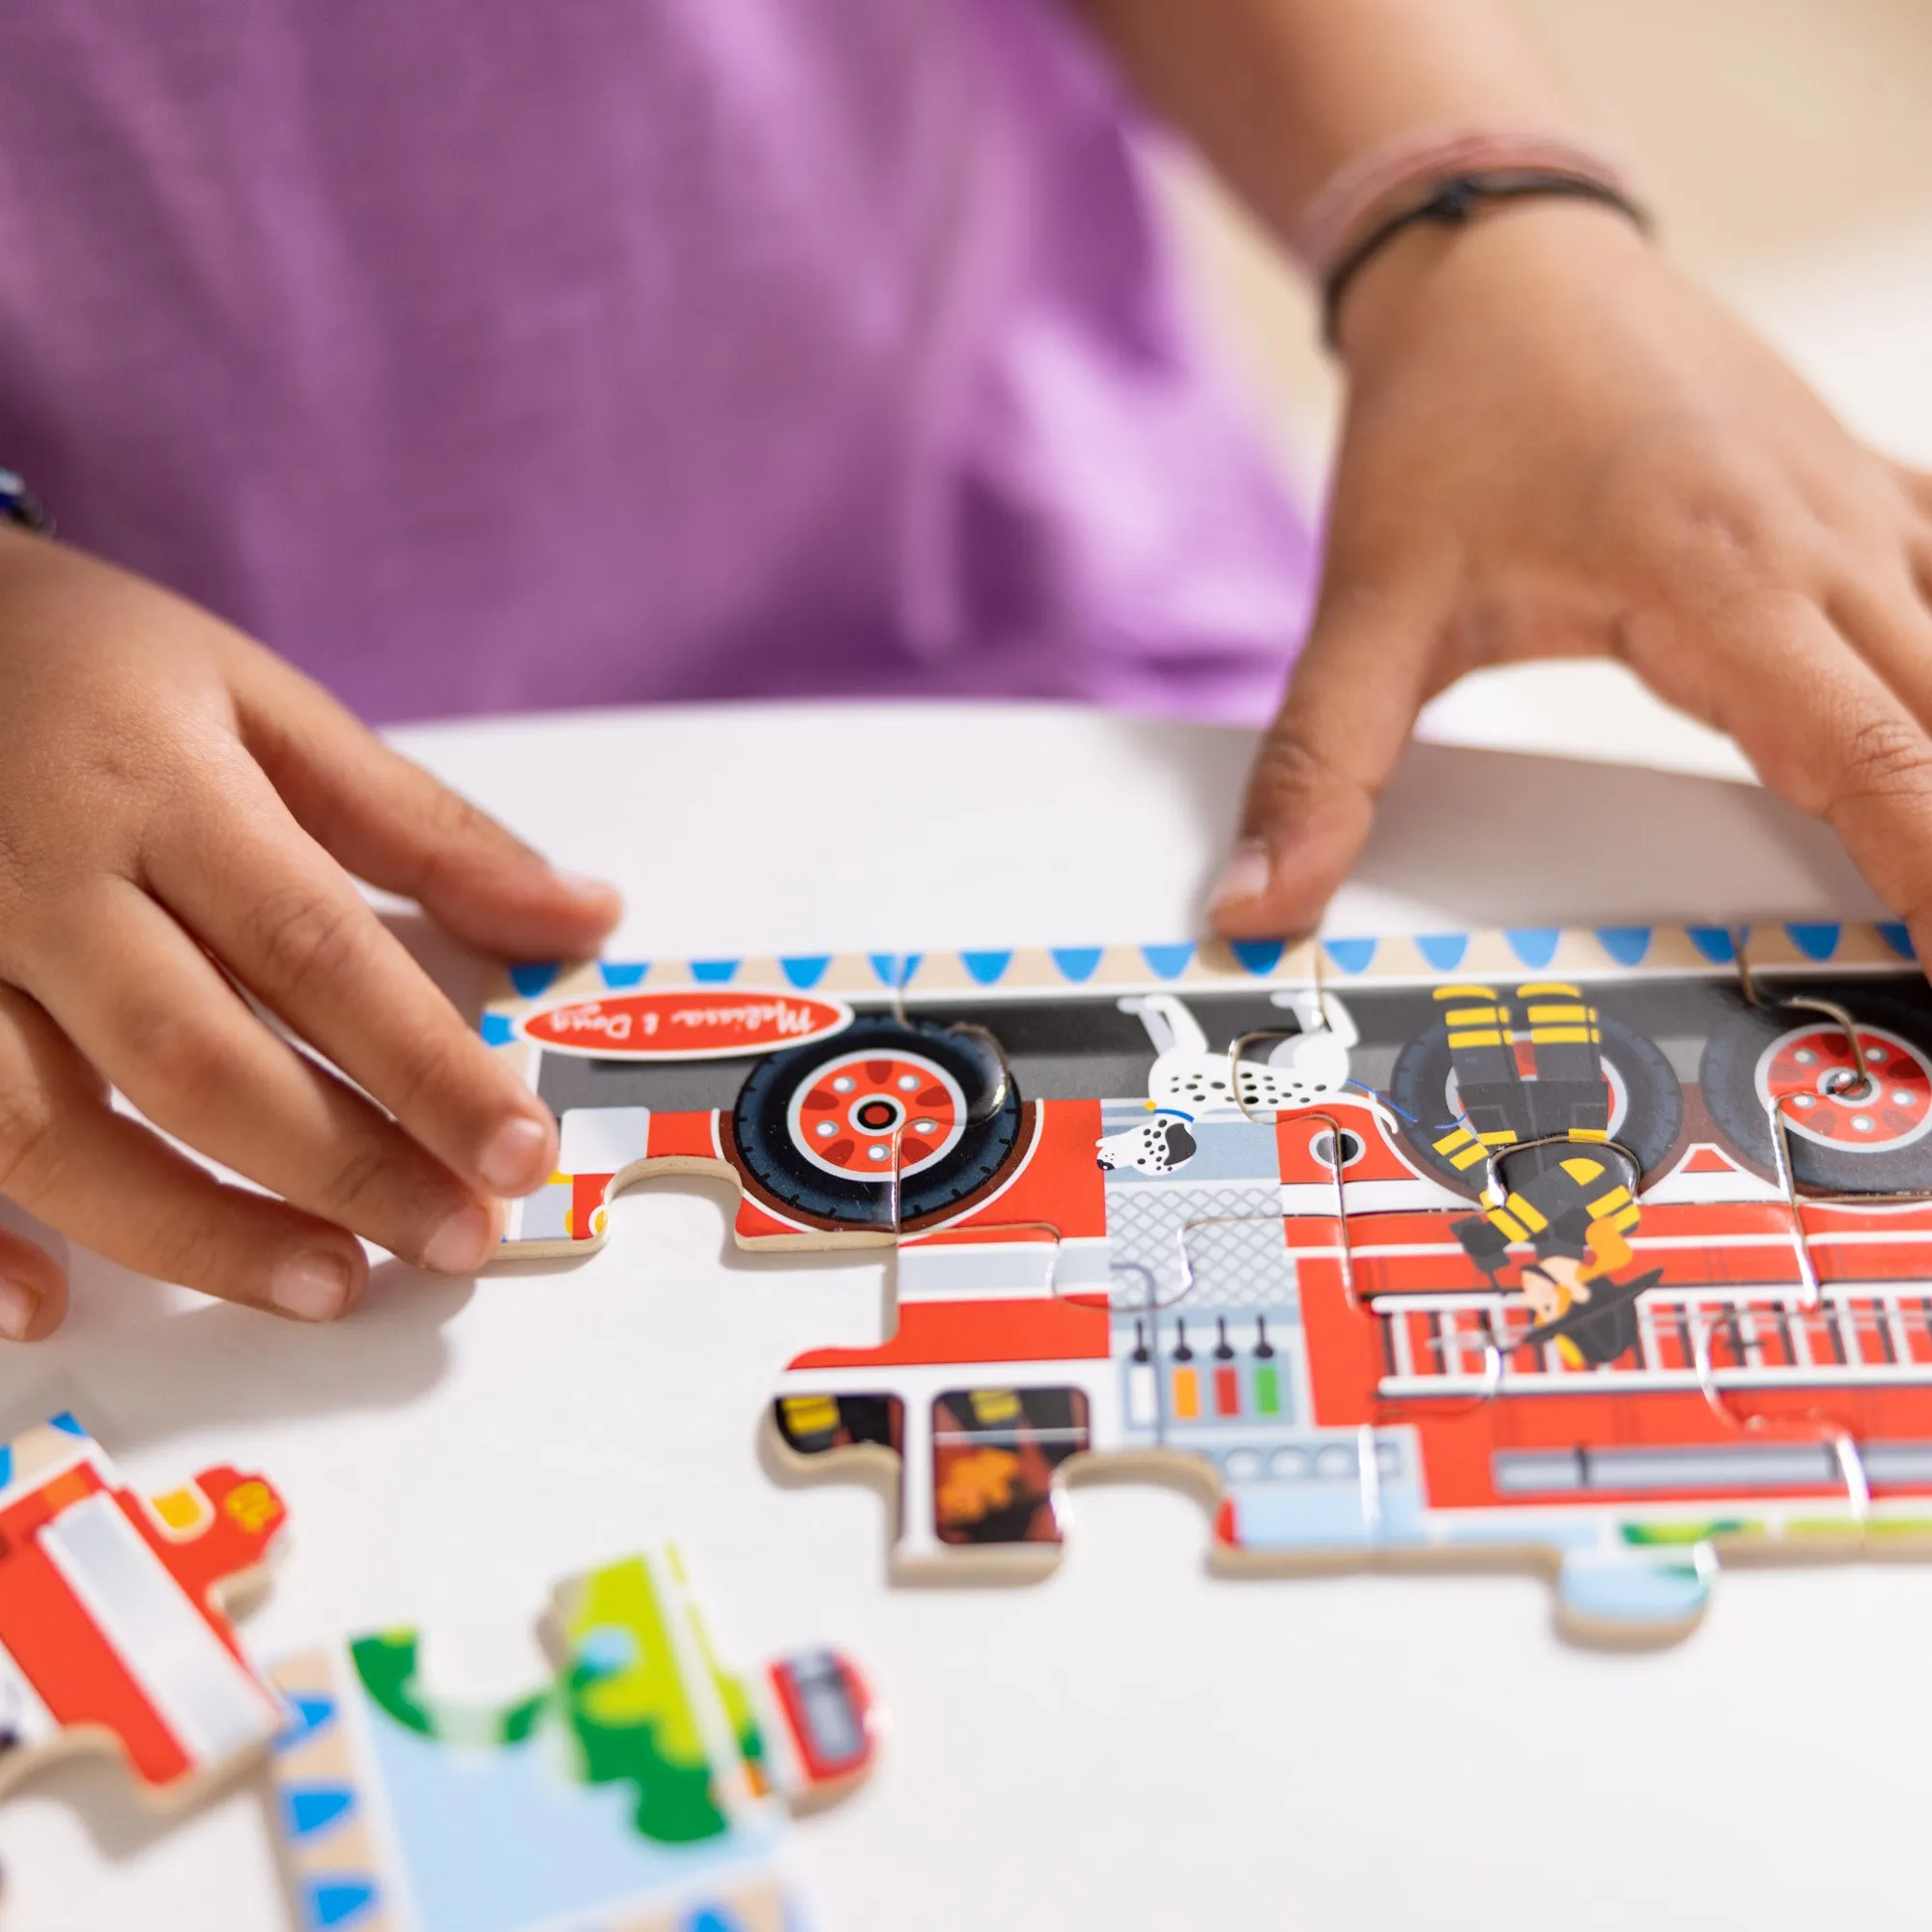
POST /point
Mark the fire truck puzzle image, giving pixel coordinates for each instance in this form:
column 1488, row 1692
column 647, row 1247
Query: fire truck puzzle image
column 1605, row 1251
column 114, row 1628
column 646, row 1786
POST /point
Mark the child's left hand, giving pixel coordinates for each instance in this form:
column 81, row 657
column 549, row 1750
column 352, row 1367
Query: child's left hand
column 1556, row 445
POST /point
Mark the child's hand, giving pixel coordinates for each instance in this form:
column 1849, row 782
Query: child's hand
column 177, row 809
column 1557, row 446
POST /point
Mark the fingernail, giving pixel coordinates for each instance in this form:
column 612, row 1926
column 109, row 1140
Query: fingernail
column 462, row 1243
column 20, row 1305
column 580, row 886
column 311, row 1287
column 1245, row 875
column 517, row 1157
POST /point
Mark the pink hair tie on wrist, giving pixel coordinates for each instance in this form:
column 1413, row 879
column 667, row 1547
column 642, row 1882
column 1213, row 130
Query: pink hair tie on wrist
column 1441, row 178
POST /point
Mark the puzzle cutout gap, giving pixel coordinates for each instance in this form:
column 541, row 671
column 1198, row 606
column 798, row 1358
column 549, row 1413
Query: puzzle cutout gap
column 1602, row 1250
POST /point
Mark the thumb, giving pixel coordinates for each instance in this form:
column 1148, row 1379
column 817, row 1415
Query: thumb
column 1350, row 706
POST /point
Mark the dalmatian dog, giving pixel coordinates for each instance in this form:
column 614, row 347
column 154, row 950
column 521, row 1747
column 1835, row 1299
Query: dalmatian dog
column 1310, row 1064
column 1157, row 1146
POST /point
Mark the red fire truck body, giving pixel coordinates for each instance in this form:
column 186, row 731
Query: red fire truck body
column 1259, row 1264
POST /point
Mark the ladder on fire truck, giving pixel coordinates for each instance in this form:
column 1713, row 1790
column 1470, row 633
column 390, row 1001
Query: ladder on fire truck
column 1691, row 1338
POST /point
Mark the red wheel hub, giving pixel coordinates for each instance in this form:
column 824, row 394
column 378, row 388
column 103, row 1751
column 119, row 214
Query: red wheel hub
column 875, row 1112
column 1878, row 1096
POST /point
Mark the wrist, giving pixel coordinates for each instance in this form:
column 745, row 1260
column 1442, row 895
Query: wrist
column 1501, row 254
column 19, row 506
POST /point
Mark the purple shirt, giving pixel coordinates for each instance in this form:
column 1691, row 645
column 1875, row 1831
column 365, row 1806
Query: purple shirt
column 484, row 355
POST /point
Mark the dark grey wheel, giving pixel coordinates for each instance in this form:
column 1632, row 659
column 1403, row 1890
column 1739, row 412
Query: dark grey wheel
column 1856, row 1123
column 824, row 1127
column 1646, row 1101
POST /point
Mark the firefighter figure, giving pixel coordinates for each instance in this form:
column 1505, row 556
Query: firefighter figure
column 1570, row 1198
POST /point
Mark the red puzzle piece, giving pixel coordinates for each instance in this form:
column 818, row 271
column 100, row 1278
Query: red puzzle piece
column 113, row 1615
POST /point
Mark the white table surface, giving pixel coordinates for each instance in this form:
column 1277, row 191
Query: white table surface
column 1130, row 1743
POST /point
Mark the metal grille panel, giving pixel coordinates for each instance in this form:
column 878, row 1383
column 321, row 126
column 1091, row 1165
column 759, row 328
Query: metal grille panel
column 1234, row 1247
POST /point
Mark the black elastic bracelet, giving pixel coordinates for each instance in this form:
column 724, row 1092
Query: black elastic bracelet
column 19, row 505
column 1451, row 202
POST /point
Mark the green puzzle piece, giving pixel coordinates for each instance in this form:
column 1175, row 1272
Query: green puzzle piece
column 627, row 1705
column 618, row 1689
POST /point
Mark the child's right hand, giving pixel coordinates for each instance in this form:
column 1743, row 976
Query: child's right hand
column 1558, row 445
column 180, row 813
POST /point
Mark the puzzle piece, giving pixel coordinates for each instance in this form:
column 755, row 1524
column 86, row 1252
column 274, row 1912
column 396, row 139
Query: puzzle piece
column 1845, row 1056
column 1232, row 1216
column 847, row 1124
column 971, row 1468
column 114, row 1631
column 645, row 1787
column 1841, row 1075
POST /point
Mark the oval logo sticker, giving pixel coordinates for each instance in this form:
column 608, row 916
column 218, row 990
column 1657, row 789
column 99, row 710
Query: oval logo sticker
column 684, row 1025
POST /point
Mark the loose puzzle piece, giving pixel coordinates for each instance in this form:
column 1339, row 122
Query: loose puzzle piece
column 1600, row 1249
column 646, row 1786
column 114, row 1630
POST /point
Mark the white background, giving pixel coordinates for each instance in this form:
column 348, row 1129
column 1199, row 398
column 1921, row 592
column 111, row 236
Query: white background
column 1131, row 1744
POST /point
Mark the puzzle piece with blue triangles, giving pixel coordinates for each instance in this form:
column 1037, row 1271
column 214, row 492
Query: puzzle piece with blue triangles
column 644, row 1785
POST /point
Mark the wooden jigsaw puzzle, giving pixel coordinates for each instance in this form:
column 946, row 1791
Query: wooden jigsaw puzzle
column 1604, row 1249
column 646, row 1788
column 114, row 1628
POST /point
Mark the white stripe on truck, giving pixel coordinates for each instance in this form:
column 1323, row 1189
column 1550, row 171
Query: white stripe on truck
column 203, row 1694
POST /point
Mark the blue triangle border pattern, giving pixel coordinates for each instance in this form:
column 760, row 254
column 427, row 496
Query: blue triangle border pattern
column 1189, row 964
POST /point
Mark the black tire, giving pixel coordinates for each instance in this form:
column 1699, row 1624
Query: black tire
column 1420, row 1090
column 1728, row 1076
column 761, row 1131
